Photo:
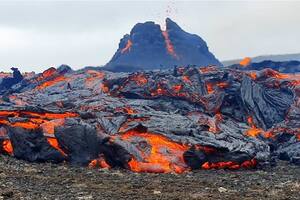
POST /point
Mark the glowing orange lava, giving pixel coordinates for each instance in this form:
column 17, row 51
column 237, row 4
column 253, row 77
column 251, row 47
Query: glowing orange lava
column 34, row 119
column 229, row 165
column 209, row 88
column 245, row 62
column 186, row 79
column 127, row 47
column 7, row 147
column 51, row 82
column 165, row 155
column 177, row 88
column 47, row 73
column 253, row 131
column 208, row 69
column 99, row 162
column 169, row 45
column 93, row 76
column 140, row 79
column 54, row 143
column 252, row 75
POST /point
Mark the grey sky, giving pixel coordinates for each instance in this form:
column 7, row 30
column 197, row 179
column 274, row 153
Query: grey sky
column 35, row 35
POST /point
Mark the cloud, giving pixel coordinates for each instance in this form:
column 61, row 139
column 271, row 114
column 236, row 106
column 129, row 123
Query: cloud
column 37, row 34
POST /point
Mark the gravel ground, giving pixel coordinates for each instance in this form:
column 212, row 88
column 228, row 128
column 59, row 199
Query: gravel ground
column 23, row 180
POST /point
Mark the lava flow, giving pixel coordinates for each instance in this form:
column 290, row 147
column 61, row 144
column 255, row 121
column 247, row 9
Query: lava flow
column 34, row 120
column 164, row 155
column 253, row 131
column 127, row 47
column 169, row 45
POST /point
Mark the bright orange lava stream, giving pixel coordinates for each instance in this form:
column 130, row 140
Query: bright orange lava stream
column 54, row 143
column 127, row 47
column 169, row 45
column 51, row 82
column 165, row 155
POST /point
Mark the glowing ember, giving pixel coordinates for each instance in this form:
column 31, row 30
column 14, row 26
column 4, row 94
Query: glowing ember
column 7, row 147
column 252, row 75
column 47, row 73
column 208, row 69
column 169, row 45
column 100, row 162
column 253, row 131
column 223, row 85
column 209, row 88
column 104, row 88
column 186, row 79
column 165, row 155
column 127, row 47
column 245, row 62
column 177, row 88
column 140, row 79
column 229, row 165
column 93, row 76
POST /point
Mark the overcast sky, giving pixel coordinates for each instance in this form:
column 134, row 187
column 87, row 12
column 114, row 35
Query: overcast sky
column 35, row 35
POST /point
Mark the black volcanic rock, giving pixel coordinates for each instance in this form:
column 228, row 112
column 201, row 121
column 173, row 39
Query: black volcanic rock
column 147, row 47
column 8, row 82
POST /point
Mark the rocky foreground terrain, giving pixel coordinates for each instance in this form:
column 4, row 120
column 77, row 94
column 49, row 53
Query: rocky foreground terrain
column 23, row 180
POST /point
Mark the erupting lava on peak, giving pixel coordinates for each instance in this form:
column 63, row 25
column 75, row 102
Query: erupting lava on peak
column 169, row 45
column 246, row 61
column 149, row 47
column 127, row 47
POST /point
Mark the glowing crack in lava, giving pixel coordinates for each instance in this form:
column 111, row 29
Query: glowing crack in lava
column 253, row 131
column 164, row 155
column 127, row 47
column 51, row 82
column 169, row 45
column 229, row 165
column 47, row 121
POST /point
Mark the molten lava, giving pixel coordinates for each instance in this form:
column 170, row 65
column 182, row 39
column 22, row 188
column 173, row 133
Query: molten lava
column 252, row 75
column 100, row 162
column 54, row 143
column 34, row 119
column 127, row 47
column 7, row 147
column 169, row 45
column 51, row 82
column 186, row 79
column 245, row 62
column 93, row 75
column 47, row 73
column 229, row 165
column 208, row 69
column 253, row 131
column 140, row 79
column 164, row 156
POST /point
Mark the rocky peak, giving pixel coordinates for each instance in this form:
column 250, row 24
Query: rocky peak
column 148, row 47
